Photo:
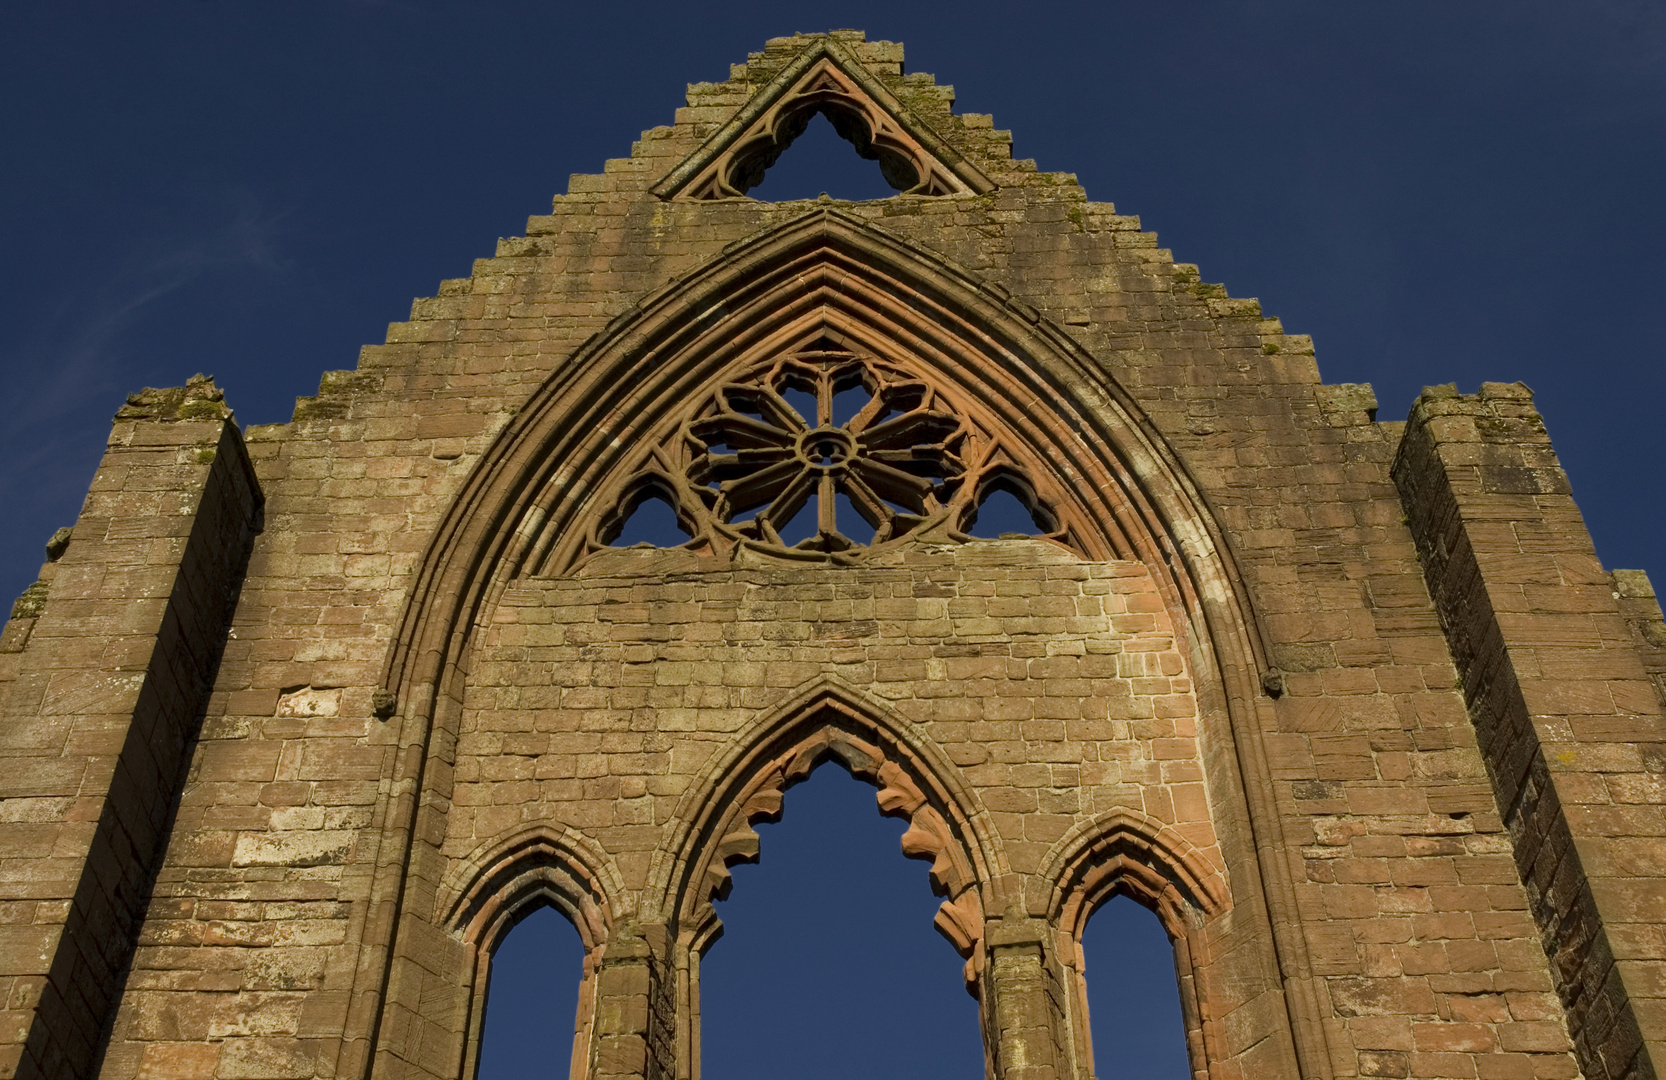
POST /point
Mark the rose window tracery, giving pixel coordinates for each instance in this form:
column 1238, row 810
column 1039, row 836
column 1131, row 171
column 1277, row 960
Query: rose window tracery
column 823, row 453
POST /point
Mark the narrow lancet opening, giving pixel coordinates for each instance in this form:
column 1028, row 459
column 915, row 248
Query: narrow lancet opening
column 1133, row 995
column 532, row 1000
column 828, row 954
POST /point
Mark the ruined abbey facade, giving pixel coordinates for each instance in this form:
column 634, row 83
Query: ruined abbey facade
column 301, row 718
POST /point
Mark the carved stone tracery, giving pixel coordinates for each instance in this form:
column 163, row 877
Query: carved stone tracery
column 825, row 451
column 960, row 917
column 877, row 132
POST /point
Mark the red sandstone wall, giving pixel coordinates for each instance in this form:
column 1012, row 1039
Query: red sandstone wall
column 1371, row 919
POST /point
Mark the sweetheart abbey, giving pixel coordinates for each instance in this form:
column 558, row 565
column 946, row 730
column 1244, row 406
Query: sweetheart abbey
column 300, row 719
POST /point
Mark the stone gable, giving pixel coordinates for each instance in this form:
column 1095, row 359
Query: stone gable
column 302, row 717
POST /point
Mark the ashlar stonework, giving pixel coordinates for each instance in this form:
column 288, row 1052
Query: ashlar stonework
column 300, row 718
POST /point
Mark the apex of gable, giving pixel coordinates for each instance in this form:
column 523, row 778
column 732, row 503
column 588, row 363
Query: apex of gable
column 730, row 132
column 880, row 57
column 825, row 75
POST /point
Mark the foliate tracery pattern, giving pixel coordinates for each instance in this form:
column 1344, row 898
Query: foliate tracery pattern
column 930, row 837
column 878, row 132
column 823, row 453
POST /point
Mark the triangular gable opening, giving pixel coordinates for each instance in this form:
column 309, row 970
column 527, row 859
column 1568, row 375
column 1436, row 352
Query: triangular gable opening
column 821, row 161
column 823, row 80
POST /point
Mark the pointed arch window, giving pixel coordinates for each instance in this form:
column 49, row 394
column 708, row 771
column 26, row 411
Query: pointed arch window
column 1136, row 1019
column 832, row 935
column 1149, row 896
column 532, row 1000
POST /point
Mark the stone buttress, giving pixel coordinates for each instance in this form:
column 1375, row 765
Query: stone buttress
column 302, row 718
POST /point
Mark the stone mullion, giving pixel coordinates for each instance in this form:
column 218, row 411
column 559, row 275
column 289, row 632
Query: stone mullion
column 635, row 985
column 826, row 489
column 1016, row 998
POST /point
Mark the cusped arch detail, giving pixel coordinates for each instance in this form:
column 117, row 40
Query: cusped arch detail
column 823, row 78
column 828, row 720
column 1125, row 851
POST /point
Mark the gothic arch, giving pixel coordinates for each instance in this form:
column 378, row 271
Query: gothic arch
column 1126, row 853
column 525, row 506
column 557, row 864
column 530, row 492
column 483, row 896
column 825, row 720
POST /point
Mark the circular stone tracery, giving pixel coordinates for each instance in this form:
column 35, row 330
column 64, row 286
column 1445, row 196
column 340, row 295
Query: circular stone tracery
column 825, row 451
column 825, row 448
column 856, row 446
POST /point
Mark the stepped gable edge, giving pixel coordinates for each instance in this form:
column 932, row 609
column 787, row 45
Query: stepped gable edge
column 301, row 720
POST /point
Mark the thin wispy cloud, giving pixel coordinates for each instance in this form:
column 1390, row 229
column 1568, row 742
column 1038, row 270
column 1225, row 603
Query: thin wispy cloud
column 82, row 346
column 78, row 359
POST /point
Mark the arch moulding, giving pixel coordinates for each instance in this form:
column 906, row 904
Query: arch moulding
column 551, row 473
column 1128, row 853
column 826, row 720
column 829, row 720
column 482, row 897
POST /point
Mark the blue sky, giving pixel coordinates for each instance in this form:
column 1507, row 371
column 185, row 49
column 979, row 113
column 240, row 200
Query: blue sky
column 1436, row 192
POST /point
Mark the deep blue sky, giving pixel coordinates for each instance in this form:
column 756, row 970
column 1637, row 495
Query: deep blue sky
column 1436, row 192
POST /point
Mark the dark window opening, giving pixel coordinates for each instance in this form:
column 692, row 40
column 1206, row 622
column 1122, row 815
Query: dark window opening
column 652, row 522
column 1003, row 513
column 849, row 520
column 803, row 525
column 803, row 403
column 1133, row 995
column 532, row 1000
column 848, row 401
column 818, row 161
column 829, row 967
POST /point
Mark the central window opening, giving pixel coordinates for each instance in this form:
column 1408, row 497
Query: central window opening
column 828, row 967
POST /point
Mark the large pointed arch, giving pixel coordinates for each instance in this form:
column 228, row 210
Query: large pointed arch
column 825, row 269
column 827, row 719
column 547, row 472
